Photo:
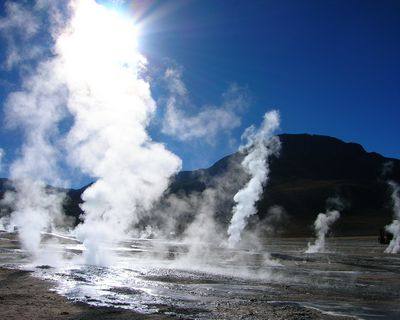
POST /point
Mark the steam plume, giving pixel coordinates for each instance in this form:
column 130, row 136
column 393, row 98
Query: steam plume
column 394, row 227
column 36, row 109
column 259, row 146
column 95, row 72
column 322, row 225
column 112, row 106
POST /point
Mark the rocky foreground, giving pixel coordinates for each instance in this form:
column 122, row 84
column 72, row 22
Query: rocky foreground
column 23, row 296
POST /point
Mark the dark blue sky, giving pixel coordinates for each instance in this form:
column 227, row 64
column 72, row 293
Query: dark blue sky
column 330, row 67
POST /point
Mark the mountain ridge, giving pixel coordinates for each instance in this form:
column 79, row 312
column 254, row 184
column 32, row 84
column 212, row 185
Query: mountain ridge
column 310, row 170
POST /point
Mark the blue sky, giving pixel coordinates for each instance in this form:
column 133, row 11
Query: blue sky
column 329, row 67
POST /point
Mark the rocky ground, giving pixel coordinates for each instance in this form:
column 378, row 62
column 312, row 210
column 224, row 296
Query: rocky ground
column 25, row 297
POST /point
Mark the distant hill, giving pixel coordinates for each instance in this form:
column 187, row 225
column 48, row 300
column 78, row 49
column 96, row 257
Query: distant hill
column 310, row 169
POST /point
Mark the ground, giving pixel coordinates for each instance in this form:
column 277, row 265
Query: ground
column 25, row 297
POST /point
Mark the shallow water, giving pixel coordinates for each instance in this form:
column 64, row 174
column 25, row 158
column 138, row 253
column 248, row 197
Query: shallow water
column 355, row 278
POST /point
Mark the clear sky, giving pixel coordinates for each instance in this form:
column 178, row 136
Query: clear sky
column 329, row 67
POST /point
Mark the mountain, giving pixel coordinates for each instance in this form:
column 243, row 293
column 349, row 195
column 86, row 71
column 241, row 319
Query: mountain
column 309, row 170
column 312, row 168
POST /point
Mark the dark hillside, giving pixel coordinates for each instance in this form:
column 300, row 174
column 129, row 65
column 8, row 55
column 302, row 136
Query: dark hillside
column 310, row 169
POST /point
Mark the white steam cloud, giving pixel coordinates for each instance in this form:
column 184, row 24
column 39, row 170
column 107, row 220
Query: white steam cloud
column 260, row 145
column 36, row 109
column 210, row 121
column 94, row 74
column 394, row 227
column 111, row 105
column 322, row 225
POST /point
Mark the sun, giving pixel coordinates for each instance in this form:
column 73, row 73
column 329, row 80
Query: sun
column 98, row 45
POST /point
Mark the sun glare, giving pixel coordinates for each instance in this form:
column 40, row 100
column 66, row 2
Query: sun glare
column 102, row 32
column 100, row 46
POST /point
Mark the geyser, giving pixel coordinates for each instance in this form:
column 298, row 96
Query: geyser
column 36, row 109
column 394, row 227
column 111, row 105
column 93, row 76
column 322, row 225
column 260, row 145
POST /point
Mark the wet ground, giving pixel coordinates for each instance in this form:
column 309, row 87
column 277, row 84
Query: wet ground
column 156, row 277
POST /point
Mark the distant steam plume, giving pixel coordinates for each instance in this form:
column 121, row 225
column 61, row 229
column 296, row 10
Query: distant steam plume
column 394, row 227
column 322, row 225
column 260, row 144
column 111, row 105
